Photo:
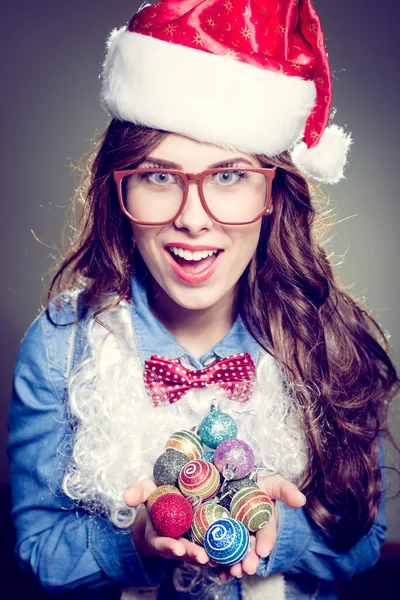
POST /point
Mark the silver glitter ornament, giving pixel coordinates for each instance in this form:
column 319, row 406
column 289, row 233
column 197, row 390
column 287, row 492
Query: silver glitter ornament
column 168, row 466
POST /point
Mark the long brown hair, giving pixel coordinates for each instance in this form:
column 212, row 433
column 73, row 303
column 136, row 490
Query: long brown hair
column 332, row 351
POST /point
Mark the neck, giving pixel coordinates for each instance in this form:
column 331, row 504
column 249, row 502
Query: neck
column 195, row 330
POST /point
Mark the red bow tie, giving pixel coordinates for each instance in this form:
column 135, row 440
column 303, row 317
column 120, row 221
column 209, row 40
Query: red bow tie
column 168, row 380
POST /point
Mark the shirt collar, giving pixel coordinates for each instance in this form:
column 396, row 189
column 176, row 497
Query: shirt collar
column 153, row 338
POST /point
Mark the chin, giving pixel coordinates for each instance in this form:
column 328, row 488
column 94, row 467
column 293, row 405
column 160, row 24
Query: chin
column 198, row 297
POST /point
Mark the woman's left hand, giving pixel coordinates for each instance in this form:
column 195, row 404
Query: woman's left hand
column 263, row 542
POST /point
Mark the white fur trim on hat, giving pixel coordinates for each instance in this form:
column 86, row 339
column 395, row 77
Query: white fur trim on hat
column 204, row 96
column 324, row 162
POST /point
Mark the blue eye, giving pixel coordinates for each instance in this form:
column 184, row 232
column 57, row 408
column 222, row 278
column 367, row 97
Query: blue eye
column 157, row 178
column 161, row 178
column 229, row 177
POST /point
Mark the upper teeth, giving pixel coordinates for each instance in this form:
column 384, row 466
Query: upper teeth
column 188, row 255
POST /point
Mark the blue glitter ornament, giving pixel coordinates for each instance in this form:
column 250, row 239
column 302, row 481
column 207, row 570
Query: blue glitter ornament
column 227, row 541
column 217, row 427
column 208, row 456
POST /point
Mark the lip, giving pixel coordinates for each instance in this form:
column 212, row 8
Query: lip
column 193, row 277
column 191, row 248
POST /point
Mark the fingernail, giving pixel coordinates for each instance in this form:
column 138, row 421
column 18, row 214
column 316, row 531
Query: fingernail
column 304, row 499
column 177, row 552
column 201, row 559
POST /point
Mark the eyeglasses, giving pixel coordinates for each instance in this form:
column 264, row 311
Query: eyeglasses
column 230, row 196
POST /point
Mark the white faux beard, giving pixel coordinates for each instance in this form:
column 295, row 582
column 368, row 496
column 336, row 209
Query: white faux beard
column 119, row 434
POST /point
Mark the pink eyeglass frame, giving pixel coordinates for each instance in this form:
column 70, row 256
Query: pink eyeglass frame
column 199, row 178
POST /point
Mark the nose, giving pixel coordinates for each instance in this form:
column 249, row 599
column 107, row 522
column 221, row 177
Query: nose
column 193, row 219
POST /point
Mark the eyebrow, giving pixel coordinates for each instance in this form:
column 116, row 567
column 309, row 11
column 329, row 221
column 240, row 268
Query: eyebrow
column 166, row 164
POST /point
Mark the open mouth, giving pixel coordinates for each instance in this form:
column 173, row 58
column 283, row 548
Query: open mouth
column 183, row 256
column 193, row 264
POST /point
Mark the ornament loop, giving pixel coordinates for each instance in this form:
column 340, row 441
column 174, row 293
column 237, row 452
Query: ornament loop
column 228, row 473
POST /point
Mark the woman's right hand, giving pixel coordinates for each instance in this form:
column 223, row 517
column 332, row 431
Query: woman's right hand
column 147, row 541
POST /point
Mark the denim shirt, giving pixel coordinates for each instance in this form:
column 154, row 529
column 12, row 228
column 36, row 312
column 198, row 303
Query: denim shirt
column 68, row 549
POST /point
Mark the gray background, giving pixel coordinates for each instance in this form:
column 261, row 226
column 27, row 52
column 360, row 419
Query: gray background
column 52, row 53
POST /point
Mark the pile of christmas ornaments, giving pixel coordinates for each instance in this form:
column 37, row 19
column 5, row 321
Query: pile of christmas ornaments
column 210, row 496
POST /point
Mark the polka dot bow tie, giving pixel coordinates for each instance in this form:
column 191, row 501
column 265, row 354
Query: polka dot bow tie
column 168, row 380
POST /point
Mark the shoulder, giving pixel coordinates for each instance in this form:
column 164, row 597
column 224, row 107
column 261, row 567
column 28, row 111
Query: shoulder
column 49, row 338
column 63, row 310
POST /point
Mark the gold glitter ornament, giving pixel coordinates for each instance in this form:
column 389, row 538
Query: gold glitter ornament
column 160, row 491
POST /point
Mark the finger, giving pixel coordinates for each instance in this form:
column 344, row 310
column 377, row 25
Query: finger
column 162, row 545
column 223, row 574
column 139, row 492
column 194, row 553
column 251, row 560
column 279, row 488
column 175, row 548
column 266, row 538
column 237, row 570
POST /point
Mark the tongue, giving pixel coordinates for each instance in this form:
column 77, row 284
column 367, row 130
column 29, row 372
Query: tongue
column 195, row 266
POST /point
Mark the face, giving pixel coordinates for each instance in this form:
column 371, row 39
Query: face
column 172, row 252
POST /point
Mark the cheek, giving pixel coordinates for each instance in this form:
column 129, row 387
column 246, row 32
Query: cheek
column 142, row 240
column 146, row 242
column 247, row 240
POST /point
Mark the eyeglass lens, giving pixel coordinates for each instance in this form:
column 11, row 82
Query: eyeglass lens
column 231, row 196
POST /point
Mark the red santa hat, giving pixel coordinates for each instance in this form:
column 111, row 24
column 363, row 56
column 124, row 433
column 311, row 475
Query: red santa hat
column 251, row 75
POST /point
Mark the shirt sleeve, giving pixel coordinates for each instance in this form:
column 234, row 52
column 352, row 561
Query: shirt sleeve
column 301, row 547
column 62, row 545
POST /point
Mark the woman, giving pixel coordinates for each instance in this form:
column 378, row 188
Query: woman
column 198, row 242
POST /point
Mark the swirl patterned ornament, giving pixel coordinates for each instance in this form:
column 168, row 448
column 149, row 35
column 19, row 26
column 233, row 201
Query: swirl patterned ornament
column 199, row 478
column 187, row 442
column 252, row 507
column 203, row 517
column 227, row 541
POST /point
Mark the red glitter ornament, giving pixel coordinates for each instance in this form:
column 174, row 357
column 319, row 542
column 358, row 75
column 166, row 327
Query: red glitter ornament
column 171, row 515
